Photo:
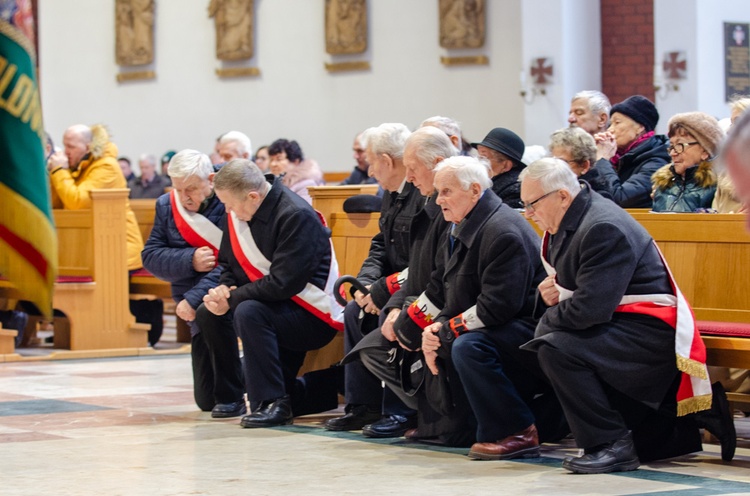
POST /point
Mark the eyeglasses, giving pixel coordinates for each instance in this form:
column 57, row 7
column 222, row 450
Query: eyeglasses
column 529, row 207
column 678, row 148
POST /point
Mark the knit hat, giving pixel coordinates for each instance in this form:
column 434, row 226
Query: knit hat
column 703, row 127
column 640, row 109
column 168, row 156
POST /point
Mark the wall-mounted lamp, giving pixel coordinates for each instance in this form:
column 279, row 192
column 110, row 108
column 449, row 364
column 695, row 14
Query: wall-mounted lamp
column 541, row 72
column 674, row 68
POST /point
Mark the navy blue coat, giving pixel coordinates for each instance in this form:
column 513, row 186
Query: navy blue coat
column 169, row 257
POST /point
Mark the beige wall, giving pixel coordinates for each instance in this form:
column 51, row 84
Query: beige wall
column 188, row 106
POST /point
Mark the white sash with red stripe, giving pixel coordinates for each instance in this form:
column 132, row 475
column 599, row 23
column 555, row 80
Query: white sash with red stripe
column 694, row 393
column 318, row 302
column 195, row 228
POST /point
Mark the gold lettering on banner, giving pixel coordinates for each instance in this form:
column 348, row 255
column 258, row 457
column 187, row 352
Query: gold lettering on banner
column 362, row 65
column 476, row 60
column 135, row 76
column 232, row 72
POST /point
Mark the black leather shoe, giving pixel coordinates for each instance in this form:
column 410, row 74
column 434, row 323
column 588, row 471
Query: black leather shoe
column 228, row 410
column 719, row 421
column 617, row 456
column 270, row 414
column 356, row 417
column 390, row 426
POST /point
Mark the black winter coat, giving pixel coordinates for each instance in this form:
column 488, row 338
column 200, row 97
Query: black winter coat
column 630, row 185
column 389, row 249
column 289, row 233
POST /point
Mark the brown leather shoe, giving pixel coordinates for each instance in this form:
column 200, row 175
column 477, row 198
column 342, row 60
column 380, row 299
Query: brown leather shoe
column 524, row 444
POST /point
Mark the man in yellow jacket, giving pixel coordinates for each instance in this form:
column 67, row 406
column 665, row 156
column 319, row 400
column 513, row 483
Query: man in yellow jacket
column 89, row 161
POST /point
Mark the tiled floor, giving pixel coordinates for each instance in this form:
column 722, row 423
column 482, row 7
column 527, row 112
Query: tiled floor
column 122, row 426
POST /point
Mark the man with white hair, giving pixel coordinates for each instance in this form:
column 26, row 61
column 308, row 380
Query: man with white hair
column 149, row 184
column 611, row 322
column 234, row 144
column 383, row 272
column 449, row 126
column 478, row 312
column 182, row 250
column 589, row 110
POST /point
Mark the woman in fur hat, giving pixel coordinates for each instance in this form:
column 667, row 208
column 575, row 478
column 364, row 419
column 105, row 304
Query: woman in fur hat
column 688, row 183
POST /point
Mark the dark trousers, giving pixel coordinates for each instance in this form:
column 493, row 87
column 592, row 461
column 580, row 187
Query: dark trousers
column 223, row 358
column 500, row 380
column 376, row 356
column 598, row 414
column 275, row 338
column 203, row 373
column 362, row 387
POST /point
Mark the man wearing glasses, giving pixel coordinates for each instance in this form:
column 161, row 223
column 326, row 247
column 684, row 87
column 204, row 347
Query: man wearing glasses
column 612, row 321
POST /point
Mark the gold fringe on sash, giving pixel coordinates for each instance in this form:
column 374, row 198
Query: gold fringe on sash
column 694, row 404
column 692, row 367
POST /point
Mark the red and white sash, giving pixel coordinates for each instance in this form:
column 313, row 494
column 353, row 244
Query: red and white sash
column 318, row 302
column 694, row 393
column 194, row 228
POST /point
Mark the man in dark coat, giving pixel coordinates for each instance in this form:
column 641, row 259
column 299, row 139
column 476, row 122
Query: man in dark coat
column 182, row 250
column 504, row 149
column 275, row 291
column 424, row 149
column 382, row 273
column 612, row 323
column 488, row 269
column 149, row 184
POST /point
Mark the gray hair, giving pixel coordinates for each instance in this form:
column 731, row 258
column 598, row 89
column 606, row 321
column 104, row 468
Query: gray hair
column 186, row 163
column 388, row 138
column 598, row 101
column 240, row 138
column 447, row 125
column 431, row 143
column 467, row 170
column 240, row 176
column 552, row 174
column 578, row 142
column 148, row 157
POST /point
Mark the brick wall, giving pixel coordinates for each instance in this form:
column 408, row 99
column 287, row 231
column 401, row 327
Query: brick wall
column 627, row 48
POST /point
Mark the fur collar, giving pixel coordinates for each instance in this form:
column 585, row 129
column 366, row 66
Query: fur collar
column 702, row 175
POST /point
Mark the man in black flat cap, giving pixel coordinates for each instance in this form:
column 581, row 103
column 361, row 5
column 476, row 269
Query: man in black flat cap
column 503, row 149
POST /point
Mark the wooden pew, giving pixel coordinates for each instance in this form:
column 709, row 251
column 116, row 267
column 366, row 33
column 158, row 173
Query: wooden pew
column 330, row 199
column 92, row 246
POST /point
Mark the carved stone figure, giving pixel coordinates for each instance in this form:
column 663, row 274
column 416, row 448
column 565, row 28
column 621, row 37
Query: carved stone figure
column 346, row 26
column 462, row 23
column 234, row 28
column 134, row 32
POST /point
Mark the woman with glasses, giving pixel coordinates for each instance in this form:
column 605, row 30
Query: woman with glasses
column 688, row 183
column 629, row 152
column 578, row 148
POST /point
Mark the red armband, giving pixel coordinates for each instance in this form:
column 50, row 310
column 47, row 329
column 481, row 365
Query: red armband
column 457, row 325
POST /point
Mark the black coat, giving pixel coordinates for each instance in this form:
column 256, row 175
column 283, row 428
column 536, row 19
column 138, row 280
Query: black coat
column 289, row 233
column 494, row 269
column 630, row 185
column 601, row 253
column 507, row 187
column 389, row 249
column 492, row 273
column 425, row 234
column 169, row 257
